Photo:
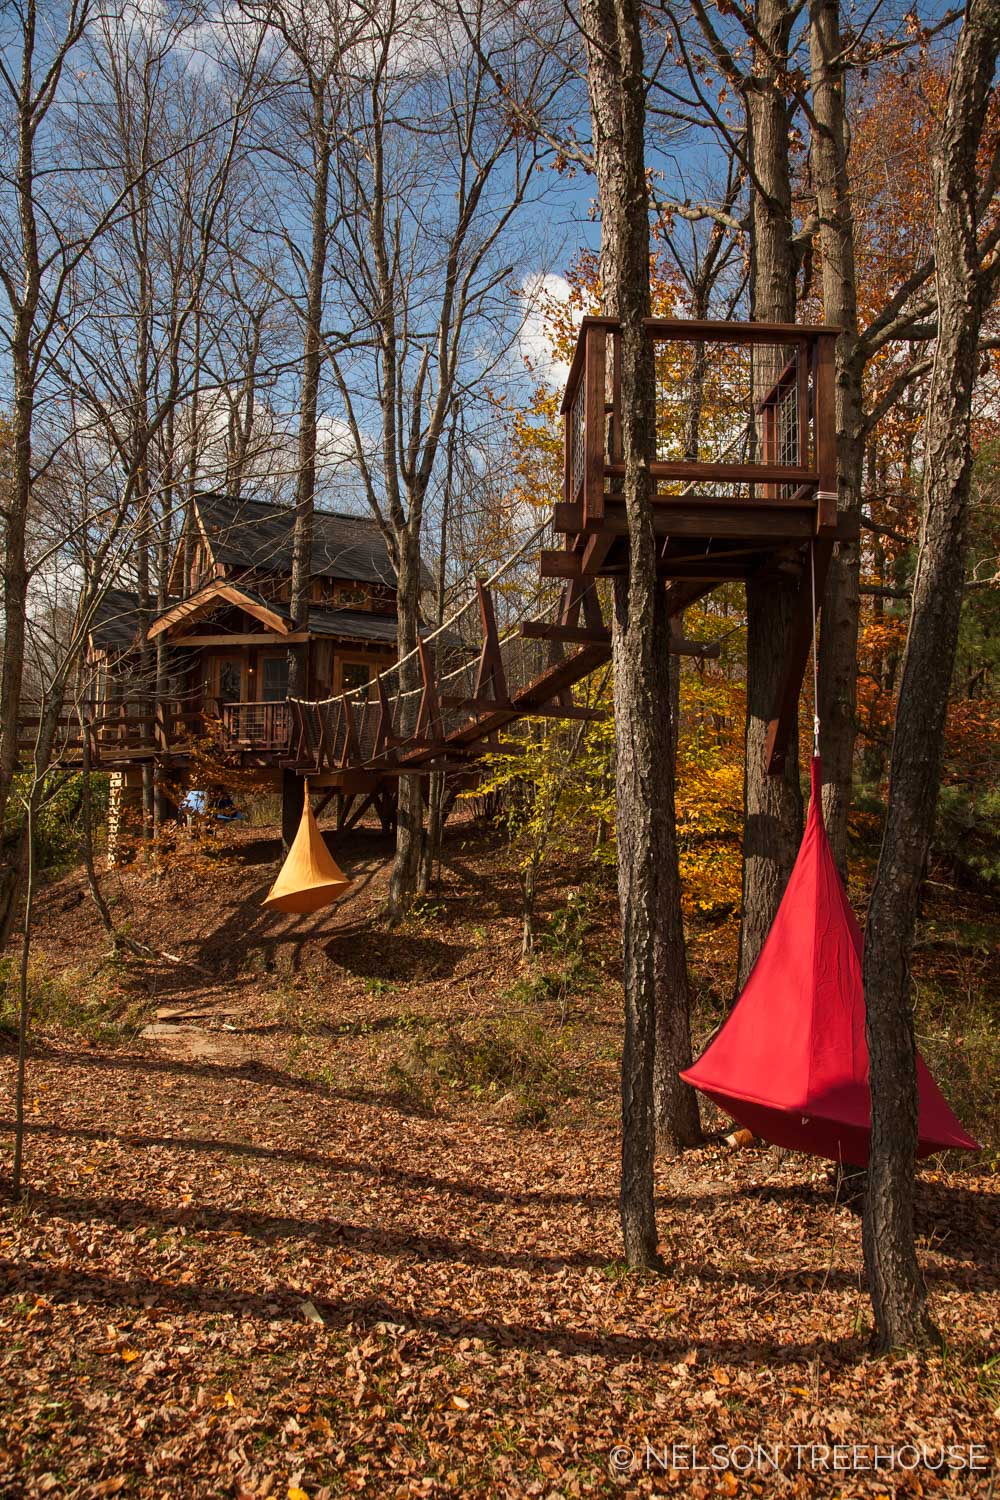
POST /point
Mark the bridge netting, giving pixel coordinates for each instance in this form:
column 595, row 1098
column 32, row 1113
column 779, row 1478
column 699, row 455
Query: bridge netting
column 462, row 678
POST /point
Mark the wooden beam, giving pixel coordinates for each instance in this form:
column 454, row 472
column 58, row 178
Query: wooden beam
column 573, row 711
column 596, row 551
column 248, row 638
column 559, row 564
column 567, row 517
column 429, row 713
column 209, row 595
column 721, row 331
column 800, row 636
column 743, row 522
column 593, row 426
column 687, row 468
column 544, row 630
column 541, row 630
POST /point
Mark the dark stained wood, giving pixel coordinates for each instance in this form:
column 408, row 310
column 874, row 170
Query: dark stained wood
column 684, row 468
column 594, row 414
column 770, row 524
column 429, row 726
column 558, row 564
column 577, row 635
column 596, row 550
column 568, row 517
column 796, row 656
column 490, row 679
column 826, row 435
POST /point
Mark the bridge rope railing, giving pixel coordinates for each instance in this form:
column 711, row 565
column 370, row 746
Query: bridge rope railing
column 461, row 681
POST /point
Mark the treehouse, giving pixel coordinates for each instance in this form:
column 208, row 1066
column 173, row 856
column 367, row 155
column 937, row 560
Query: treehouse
column 228, row 630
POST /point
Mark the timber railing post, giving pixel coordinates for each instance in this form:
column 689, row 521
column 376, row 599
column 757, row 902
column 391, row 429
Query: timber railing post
column 825, row 431
column 352, row 748
column 594, row 426
column 384, row 747
column 491, row 672
column 429, row 726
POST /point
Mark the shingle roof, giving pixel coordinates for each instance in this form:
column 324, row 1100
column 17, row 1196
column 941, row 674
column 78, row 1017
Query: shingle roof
column 115, row 625
column 258, row 534
column 353, row 624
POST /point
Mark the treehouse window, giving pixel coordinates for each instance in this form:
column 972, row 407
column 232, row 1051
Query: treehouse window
column 351, row 596
column 229, row 679
column 274, row 679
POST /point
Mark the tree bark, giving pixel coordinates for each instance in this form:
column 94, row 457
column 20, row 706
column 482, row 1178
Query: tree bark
column 652, row 934
column 895, row 1281
column 406, row 865
column 772, row 804
column 838, row 649
column 312, row 361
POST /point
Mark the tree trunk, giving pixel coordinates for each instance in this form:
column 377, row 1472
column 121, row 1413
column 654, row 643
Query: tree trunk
column 24, row 999
column 895, row 1281
column 434, row 832
column 838, row 649
column 652, row 934
column 772, row 804
column 410, row 806
column 312, row 361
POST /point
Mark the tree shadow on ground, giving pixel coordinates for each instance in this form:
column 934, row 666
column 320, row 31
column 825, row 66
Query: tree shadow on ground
column 393, row 956
column 249, row 1071
column 365, row 1314
column 379, row 1169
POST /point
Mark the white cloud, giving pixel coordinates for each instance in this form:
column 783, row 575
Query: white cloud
column 535, row 340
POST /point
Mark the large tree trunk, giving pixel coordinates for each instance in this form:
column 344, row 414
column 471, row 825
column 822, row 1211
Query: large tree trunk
column 895, row 1281
column 410, row 797
column 772, row 804
column 312, row 360
column 305, row 483
column 652, row 935
column 839, row 642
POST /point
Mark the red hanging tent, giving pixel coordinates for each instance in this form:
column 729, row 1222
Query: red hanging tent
column 790, row 1062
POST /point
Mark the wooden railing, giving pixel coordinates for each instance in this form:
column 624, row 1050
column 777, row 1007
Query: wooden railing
column 255, row 726
column 134, row 730
column 744, row 416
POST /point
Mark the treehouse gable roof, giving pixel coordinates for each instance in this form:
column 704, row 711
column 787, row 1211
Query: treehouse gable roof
column 257, row 535
column 273, row 615
column 114, row 628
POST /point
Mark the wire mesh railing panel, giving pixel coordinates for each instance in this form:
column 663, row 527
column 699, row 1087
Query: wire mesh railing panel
column 577, row 443
column 720, row 403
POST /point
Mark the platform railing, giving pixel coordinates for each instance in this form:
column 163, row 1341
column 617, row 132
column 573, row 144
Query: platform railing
column 744, row 415
column 255, row 726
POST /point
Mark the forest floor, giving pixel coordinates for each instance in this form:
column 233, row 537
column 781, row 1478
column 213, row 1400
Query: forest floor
column 315, row 1208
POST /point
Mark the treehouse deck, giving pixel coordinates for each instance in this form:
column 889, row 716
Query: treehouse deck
column 744, row 483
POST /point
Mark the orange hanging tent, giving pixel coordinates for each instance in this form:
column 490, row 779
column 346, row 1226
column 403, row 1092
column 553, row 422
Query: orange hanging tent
column 310, row 878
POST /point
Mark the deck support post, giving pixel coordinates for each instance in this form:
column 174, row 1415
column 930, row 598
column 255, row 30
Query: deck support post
column 796, row 655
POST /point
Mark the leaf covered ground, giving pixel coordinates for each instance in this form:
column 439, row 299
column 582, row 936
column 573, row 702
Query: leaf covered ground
column 344, row 1222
